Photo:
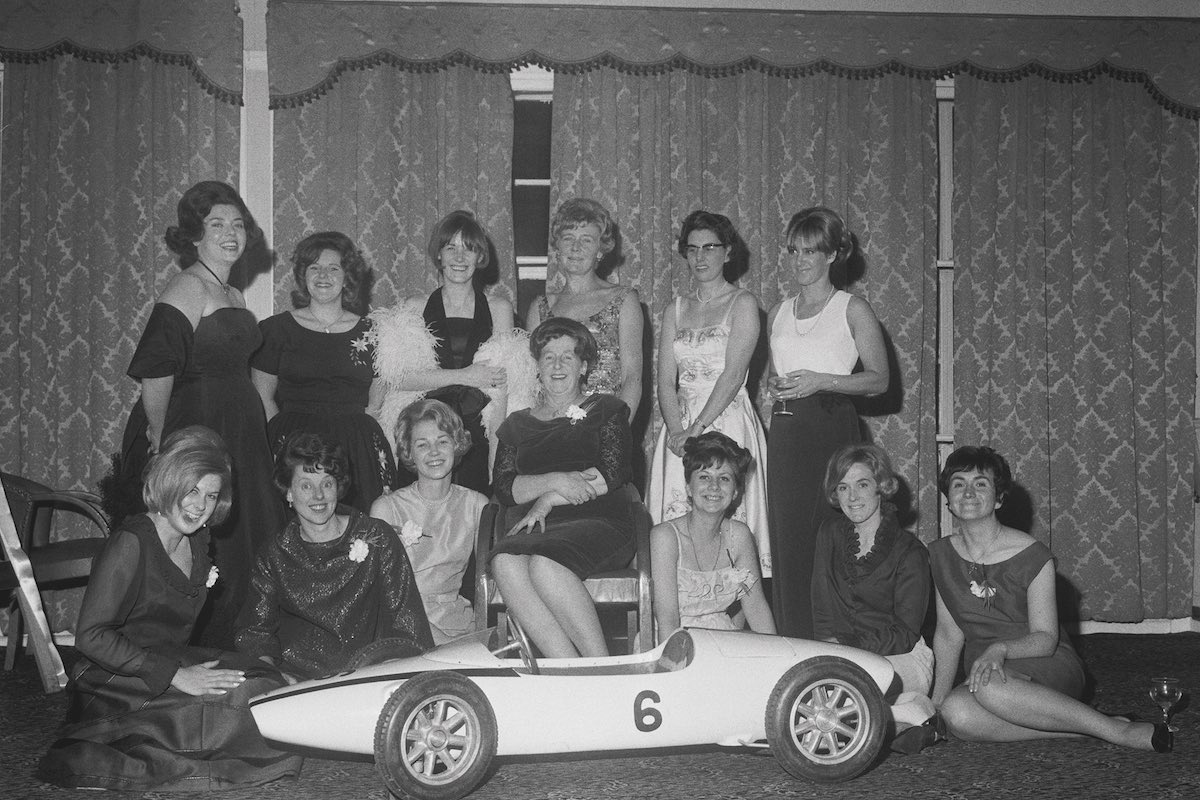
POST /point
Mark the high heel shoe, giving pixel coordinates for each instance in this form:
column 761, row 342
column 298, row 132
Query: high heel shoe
column 1162, row 740
column 915, row 739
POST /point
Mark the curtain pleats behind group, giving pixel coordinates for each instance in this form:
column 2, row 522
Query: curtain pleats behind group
column 1075, row 290
column 95, row 157
column 758, row 148
column 382, row 157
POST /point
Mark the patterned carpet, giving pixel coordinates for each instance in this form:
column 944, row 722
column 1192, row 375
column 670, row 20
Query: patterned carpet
column 1121, row 665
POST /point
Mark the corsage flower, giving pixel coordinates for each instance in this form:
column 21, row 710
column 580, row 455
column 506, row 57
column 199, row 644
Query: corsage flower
column 411, row 533
column 358, row 550
column 213, row 574
column 575, row 413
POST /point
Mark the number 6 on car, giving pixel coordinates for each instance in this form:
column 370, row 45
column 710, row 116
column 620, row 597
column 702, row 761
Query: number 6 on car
column 435, row 722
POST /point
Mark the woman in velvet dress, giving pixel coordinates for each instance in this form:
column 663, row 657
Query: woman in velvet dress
column 563, row 468
column 329, row 585
column 315, row 371
column 193, row 365
column 146, row 710
column 816, row 338
column 462, row 318
column 582, row 233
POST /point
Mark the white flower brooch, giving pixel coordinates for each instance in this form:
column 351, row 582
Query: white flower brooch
column 213, row 574
column 358, row 550
column 575, row 413
column 411, row 533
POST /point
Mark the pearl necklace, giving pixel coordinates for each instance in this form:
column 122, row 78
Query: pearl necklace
column 816, row 320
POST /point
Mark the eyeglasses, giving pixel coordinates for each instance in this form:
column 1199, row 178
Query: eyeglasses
column 695, row 250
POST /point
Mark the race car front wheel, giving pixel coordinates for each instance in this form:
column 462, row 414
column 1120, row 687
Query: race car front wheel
column 826, row 720
column 436, row 737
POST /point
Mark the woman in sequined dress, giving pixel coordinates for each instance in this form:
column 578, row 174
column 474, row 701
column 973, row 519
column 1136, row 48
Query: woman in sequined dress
column 329, row 585
column 582, row 233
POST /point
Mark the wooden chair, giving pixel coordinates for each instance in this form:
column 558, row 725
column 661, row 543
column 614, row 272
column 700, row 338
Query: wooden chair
column 31, row 562
column 626, row 589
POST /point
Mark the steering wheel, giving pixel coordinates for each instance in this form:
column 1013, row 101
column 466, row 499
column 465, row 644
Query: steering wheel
column 516, row 638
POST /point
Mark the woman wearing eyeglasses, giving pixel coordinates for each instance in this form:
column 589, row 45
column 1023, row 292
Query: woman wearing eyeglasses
column 704, row 347
column 817, row 338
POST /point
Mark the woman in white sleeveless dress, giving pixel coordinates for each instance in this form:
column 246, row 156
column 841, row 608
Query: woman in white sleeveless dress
column 704, row 347
column 817, row 337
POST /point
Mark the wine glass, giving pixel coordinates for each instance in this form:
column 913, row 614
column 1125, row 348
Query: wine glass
column 1166, row 693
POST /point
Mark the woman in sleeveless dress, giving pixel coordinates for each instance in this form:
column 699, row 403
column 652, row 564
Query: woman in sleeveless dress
column 816, row 338
column 704, row 564
column 997, row 617
column 193, row 365
column 461, row 318
column 315, row 371
column 705, row 345
column 582, row 233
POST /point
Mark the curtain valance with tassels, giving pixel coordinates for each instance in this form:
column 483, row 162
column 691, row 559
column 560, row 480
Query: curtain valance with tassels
column 311, row 43
column 204, row 35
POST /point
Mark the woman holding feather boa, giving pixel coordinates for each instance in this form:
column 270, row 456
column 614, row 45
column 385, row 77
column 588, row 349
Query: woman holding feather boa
column 459, row 347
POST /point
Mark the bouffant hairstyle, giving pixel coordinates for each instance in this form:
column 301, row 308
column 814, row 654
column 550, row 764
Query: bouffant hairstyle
column 711, row 449
column 737, row 262
column 581, row 211
column 187, row 456
column 357, row 277
column 196, row 204
column 443, row 416
column 871, row 456
column 822, row 228
column 474, row 236
column 311, row 453
column 586, row 349
column 981, row 459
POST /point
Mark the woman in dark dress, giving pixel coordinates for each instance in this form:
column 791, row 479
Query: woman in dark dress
column 462, row 318
column 146, row 710
column 996, row 609
column 192, row 362
column 816, row 337
column 329, row 585
column 564, row 468
column 315, row 371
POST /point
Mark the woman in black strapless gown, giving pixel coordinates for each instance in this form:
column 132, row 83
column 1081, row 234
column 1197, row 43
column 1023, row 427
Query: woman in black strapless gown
column 193, row 365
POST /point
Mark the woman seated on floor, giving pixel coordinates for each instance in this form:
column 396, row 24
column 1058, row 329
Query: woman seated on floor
column 871, row 585
column 146, row 710
column 565, row 466
column 434, row 518
column 704, row 563
column 330, row 584
column 996, row 608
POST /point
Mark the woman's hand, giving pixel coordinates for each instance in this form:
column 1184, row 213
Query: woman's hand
column 484, row 376
column 797, row 384
column 153, row 438
column 989, row 665
column 676, row 441
column 574, row 487
column 533, row 518
column 202, row 679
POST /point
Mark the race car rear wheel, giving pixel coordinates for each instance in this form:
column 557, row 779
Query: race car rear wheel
column 826, row 720
column 436, row 737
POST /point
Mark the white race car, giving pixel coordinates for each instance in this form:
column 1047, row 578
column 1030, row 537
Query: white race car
column 434, row 722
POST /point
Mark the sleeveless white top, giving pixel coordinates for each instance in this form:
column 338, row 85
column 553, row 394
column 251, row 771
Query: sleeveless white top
column 822, row 343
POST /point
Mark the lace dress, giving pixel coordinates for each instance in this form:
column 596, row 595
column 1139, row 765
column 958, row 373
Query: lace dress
column 591, row 537
column 705, row 595
column 700, row 357
column 605, row 326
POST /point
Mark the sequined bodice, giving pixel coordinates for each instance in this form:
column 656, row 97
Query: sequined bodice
column 605, row 326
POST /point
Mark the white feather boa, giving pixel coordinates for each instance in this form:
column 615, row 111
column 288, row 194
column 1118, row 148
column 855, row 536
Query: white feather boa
column 404, row 345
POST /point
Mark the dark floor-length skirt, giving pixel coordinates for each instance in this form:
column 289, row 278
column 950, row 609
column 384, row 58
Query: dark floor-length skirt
column 798, row 448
